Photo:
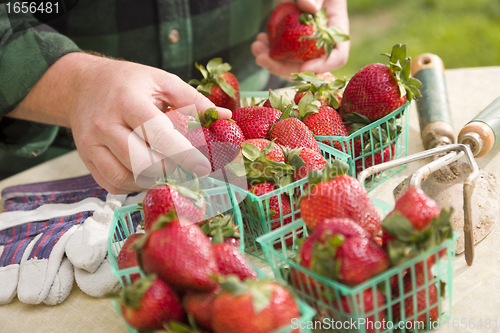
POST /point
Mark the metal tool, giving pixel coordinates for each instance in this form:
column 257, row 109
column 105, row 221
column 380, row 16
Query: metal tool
column 476, row 139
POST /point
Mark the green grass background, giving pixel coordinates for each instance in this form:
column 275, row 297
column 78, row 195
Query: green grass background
column 464, row 33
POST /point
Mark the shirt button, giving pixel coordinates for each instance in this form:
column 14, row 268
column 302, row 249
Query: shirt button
column 173, row 36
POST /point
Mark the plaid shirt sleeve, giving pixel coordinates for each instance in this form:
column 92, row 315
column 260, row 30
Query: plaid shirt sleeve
column 168, row 34
column 24, row 56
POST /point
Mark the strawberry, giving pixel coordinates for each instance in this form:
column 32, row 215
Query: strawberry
column 179, row 120
column 304, row 160
column 425, row 299
column 218, row 84
column 371, row 159
column 179, row 255
column 127, row 257
column 322, row 120
column 332, row 193
column 225, row 224
column 256, row 121
column 293, row 133
column 230, row 260
column 302, row 36
column 277, row 15
column 188, row 204
column 414, row 226
column 199, row 305
column 149, row 303
column 365, row 306
column 377, row 89
column 218, row 140
column 371, row 147
column 325, row 87
column 279, row 205
column 340, row 249
column 252, row 307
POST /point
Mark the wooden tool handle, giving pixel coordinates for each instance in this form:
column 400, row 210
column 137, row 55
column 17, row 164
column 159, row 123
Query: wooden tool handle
column 483, row 132
column 433, row 108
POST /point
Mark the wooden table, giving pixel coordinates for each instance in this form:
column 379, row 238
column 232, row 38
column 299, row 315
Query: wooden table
column 476, row 289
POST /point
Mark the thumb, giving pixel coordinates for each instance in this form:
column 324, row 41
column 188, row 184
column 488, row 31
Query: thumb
column 310, row 6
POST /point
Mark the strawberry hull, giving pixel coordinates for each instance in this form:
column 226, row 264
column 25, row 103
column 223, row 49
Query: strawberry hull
column 345, row 304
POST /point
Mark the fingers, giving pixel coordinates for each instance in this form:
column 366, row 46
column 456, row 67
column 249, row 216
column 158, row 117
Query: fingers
column 154, row 127
column 310, row 6
column 110, row 174
column 180, row 94
column 337, row 59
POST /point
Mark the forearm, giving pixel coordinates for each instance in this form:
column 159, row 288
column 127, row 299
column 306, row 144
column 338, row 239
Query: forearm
column 53, row 97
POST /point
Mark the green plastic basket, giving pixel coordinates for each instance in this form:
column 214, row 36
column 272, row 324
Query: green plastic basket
column 256, row 220
column 326, row 295
column 399, row 118
column 124, row 224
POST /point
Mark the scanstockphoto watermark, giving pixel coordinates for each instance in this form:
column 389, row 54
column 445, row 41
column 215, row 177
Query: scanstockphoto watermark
column 361, row 323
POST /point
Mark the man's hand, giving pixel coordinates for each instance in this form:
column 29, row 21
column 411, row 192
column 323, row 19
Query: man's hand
column 103, row 101
column 337, row 16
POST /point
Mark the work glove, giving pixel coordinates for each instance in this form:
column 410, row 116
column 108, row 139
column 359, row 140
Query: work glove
column 38, row 223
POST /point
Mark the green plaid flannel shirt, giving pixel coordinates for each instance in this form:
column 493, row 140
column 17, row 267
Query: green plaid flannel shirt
column 136, row 30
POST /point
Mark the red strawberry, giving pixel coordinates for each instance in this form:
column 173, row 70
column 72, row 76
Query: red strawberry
column 301, row 36
column 188, row 204
column 304, row 160
column 334, row 194
column 199, row 305
column 277, row 16
column 279, row 205
column 371, row 159
column 253, row 307
column 293, row 133
column 230, row 261
column 377, row 89
column 218, row 140
column 256, row 121
column 364, row 306
column 218, row 84
column 149, row 303
column 325, row 87
column 127, row 257
column 179, row 255
column 417, row 224
column 425, row 299
column 340, row 249
column 225, row 224
column 179, row 120
column 324, row 121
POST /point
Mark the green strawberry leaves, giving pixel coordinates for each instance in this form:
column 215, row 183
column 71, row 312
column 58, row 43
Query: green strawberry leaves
column 211, row 77
column 326, row 37
column 223, row 224
column 400, row 66
column 308, row 81
column 330, row 171
column 279, row 102
column 323, row 259
column 260, row 169
column 408, row 242
column 308, row 105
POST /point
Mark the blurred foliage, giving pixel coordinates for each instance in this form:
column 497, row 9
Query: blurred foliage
column 463, row 33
